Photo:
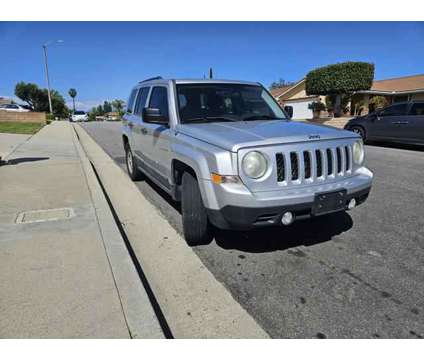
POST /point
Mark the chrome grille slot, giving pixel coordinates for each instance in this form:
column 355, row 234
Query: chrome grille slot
column 318, row 156
column 339, row 160
column 307, row 164
column 281, row 170
column 329, row 162
column 347, row 157
column 294, row 161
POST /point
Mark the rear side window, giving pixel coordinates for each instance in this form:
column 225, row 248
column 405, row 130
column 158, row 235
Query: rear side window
column 395, row 110
column 417, row 109
column 159, row 100
column 131, row 101
column 140, row 103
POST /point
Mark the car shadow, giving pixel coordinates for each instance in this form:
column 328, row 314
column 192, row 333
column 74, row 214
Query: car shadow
column 305, row 232
column 396, row 145
column 25, row 159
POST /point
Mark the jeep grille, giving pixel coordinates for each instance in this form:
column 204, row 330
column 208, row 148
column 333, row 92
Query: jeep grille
column 300, row 166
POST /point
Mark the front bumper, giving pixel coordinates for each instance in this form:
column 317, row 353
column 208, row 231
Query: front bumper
column 245, row 218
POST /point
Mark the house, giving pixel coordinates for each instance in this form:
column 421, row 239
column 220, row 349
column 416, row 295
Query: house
column 4, row 101
column 295, row 96
column 399, row 89
column 394, row 90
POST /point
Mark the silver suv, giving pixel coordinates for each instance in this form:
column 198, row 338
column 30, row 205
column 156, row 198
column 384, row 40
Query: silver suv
column 234, row 159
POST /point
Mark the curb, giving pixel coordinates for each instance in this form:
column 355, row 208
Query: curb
column 193, row 302
column 139, row 314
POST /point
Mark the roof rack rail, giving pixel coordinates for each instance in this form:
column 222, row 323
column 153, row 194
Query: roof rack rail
column 152, row 78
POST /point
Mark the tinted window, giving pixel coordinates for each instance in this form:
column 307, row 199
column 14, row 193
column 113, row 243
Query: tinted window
column 225, row 102
column 417, row 109
column 140, row 103
column 159, row 100
column 395, row 110
column 79, row 113
column 131, row 101
column 12, row 107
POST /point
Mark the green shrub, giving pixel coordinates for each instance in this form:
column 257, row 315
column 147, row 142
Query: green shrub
column 378, row 102
column 316, row 106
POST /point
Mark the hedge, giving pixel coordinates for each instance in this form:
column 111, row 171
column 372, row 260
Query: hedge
column 340, row 78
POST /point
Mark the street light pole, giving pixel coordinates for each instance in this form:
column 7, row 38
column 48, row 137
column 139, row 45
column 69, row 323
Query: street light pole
column 47, row 78
column 47, row 71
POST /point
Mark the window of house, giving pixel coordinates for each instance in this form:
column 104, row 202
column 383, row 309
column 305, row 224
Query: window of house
column 417, row 109
column 140, row 103
column 395, row 110
column 159, row 100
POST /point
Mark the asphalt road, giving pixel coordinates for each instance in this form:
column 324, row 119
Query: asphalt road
column 348, row 275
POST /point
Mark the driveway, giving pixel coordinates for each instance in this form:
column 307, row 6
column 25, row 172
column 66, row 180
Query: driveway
column 349, row 275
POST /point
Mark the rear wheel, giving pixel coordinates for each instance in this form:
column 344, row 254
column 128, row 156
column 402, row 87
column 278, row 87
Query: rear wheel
column 196, row 227
column 133, row 171
column 360, row 131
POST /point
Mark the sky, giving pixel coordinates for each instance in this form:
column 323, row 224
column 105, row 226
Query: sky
column 103, row 60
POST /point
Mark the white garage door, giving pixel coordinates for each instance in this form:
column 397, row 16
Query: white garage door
column 300, row 109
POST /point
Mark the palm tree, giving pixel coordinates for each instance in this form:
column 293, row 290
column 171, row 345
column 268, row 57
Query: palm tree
column 73, row 93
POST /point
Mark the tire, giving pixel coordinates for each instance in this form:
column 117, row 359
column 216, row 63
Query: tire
column 360, row 131
column 196, row 227
column 133, row 171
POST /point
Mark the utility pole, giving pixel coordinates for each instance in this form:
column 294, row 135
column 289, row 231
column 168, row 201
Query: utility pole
column 47, row 78
column 210, row 73
column 47, row 71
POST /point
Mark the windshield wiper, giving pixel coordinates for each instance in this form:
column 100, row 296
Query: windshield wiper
column 208, row 119
column 262, row 117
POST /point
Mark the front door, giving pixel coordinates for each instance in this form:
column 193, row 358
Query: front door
column 138, row 129
column 387, row 124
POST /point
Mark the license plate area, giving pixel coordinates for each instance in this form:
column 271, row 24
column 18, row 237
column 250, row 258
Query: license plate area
column 329, row 201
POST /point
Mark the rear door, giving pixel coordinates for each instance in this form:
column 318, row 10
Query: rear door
column 157, row 137
column 138, row 130
column 387, row 124
column 415, row 127
column 128, row 118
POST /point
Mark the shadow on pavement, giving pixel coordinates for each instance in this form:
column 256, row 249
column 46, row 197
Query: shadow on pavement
column 305, row 232
column 396, row 145
column 25, row 159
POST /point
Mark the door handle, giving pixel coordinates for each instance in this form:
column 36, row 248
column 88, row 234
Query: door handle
column 144, row 131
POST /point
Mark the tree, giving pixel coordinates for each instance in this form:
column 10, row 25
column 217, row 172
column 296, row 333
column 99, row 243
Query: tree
column 378, row 102
column 38, row 98
column 107, row 107
column 72, row 93
column 280, row 83
column 118, row 105
column 338, row 79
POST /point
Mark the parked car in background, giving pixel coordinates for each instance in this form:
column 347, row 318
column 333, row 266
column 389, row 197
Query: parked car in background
column 232, row 157
column 401, row 122
column 14, row 108
column 79, row 116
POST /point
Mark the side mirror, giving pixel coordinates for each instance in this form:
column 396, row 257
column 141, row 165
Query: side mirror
column 154, row 115
column 289, row 110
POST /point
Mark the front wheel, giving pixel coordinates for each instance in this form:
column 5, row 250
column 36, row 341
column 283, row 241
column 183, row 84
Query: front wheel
column 360, row 131
column 196, row 227
column 133, row 171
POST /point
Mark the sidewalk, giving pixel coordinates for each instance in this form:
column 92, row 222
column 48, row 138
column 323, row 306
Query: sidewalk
column 9, row 142
column 65, row 272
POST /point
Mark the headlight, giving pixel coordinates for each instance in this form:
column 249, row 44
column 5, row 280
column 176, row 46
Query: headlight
column 254, row 164
column 358, row 152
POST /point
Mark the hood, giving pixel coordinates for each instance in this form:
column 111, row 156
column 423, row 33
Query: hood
column 233, row 136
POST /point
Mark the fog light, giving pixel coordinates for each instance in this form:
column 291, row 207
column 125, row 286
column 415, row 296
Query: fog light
column 287, row 218
column 352, row 204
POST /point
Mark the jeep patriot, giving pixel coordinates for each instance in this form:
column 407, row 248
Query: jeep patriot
column 234, row 159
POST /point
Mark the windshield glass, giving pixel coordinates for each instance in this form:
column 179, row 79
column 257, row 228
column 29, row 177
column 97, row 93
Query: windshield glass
column 79, row 112
column 226, row 102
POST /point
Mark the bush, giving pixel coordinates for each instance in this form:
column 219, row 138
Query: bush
column 316, row 106
column 378, row 102
column 340, row 78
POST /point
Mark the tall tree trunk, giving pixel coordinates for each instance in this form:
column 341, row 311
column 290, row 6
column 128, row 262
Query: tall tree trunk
column 73, row 101
column 337, row 105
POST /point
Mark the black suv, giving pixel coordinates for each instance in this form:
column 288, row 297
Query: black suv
column 400, row 122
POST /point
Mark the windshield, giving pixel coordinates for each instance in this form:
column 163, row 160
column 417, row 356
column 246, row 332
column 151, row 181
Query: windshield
column 226, row 102
column 79, row 113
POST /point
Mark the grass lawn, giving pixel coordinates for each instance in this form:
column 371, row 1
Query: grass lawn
column 19, row 127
